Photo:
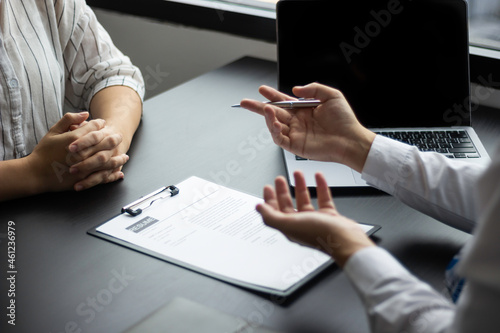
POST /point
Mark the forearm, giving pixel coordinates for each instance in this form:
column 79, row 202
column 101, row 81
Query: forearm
column 121, row 107
column 16, row 179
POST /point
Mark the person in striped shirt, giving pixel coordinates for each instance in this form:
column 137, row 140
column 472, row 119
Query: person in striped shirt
column 70, row 100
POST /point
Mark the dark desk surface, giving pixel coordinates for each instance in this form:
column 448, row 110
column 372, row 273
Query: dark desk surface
column 68, row 280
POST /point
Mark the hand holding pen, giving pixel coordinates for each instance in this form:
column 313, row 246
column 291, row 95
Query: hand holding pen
column 327, row 131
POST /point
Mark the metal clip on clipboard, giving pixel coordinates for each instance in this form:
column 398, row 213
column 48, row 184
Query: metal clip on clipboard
column 134, row 209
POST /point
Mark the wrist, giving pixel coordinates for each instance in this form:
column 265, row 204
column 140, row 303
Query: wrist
column 358, row 149
column 121, row 108
column 35, row 178
column 349, row 241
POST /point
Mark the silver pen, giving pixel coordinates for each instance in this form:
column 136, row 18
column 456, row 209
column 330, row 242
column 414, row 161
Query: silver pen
column 302, row 103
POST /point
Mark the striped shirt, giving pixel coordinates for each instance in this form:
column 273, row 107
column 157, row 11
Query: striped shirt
column 54, row 57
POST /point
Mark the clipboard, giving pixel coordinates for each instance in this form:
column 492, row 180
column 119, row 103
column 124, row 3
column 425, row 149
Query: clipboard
column 174, row 221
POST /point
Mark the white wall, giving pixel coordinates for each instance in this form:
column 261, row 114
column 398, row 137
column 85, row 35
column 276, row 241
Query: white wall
column 169, row 55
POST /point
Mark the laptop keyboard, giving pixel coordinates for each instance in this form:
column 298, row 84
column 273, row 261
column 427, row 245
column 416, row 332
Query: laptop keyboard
column 451, row 143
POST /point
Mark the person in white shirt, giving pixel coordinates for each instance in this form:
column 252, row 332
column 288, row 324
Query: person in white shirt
column 462, row 195
column 56, row 61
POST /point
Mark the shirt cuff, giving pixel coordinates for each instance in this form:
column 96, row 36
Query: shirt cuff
column 370, row 265
column 125, row 81
column 382, row 169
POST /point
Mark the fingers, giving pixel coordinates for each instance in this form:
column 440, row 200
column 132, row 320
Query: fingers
column 94, row 156
column 278, row 114
column 98, row 141
column 270, row 208
column 88, row 140
column 101, row 177
column 103, row 160
column 68, row 120
column 325, row 200
column 283, row 196
column 253, row 105
column 302, row 196
column 74, row 127
column 91, row 135
column 279, row 199
column 317, row 91
column 279, row 129
column 274, row 95
column 272, row 122
column 270, row 197
column 269, row 93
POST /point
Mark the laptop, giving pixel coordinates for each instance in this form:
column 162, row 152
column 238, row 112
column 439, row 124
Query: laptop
column 402, row 65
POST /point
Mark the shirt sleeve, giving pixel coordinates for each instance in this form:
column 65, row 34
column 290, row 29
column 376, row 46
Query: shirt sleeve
column 477, row 308
column 394, row 299
column 91, row 60
column 428, row 182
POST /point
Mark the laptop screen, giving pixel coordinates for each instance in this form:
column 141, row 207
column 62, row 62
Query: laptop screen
column 400, row 63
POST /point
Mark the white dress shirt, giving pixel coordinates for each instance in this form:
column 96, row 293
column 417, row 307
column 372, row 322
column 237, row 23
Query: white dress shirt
column 457, row 194
column 54, row 57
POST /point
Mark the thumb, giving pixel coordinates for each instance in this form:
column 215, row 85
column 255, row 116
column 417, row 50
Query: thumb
column 68, row 120
column 317, row 91
column 270, row 216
